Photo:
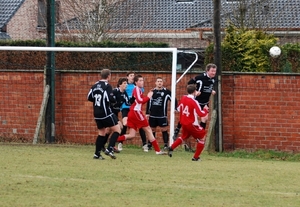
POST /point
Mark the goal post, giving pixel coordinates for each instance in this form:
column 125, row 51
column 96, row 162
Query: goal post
column 94, row 49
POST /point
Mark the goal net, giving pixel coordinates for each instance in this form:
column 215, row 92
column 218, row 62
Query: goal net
column 23, row 94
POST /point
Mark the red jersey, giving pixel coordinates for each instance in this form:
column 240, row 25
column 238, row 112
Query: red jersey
column 189, row 108
column 139, row 99
column 136, row 118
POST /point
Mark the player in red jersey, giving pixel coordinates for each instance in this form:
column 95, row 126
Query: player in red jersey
column 136, row 118
column 189, row 109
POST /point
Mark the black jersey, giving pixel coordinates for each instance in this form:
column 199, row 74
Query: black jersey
column 205, row 85
column 121, row 97
column 101, row 94
column 158, row 104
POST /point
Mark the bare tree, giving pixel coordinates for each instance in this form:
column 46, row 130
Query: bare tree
column 93, row 20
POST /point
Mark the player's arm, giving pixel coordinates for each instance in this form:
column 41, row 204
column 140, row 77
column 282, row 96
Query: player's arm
column 90, row 96
column 126, row 99
column 192, row 81
column 139, row 98
column 148, row 107
column 111, row 96
column 200, row 112
column 118, row 97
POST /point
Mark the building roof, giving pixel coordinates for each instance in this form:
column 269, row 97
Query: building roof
column 174, row 15
column 7, row 10
column 4, row 36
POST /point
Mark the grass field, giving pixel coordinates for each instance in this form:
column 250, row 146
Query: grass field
column 60, row 175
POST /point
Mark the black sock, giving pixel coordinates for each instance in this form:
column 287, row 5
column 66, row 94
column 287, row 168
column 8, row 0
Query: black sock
column 112, row 141
column 143, row 136
column 106, row 138
column 203, row 125
column 165, row 135
column 99, row 144
column 123, row 131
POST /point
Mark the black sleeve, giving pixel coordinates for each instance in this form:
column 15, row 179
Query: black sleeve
column 192, row 81
column 148, row 106
column 110, row 94
column 90, row 96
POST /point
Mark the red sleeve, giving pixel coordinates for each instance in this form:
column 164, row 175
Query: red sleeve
column 200, row 112
column 138, row 95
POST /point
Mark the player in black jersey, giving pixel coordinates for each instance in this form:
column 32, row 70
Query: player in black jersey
column 121, row 97
column 101, row 94
column 157, row 110
column 205, row 87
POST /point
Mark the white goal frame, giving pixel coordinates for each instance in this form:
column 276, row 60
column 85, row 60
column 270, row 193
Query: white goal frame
column 89, row 49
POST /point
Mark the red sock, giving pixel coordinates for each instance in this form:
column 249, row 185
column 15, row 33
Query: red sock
column 177, row 143
column 121, row 138
column 199, row 149
column 155, row 145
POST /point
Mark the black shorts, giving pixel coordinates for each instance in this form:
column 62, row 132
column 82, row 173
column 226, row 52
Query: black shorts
column 109, row 121
column 125, row 112
column 155, row 122
column 202, row 105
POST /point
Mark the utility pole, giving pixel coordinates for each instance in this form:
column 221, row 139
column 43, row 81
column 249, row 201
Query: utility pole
column 50, row 73
column 218, row 62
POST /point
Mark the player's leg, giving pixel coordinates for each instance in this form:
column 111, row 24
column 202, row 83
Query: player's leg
column 112, row 123
column 124, row 113
column 199, row 135
column 144, row 139
column 152, row 139
column 185, row 134
column 203, row 119
column 177, row 130
column 131, row 134
column 100, row 141
column 163, row 124
column 153, row 124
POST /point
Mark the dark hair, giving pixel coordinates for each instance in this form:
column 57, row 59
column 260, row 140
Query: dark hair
column 209, row 66
column 105, row 73
column 191, row 88
column 130, row 72
column 136, row 78
column 121, row 81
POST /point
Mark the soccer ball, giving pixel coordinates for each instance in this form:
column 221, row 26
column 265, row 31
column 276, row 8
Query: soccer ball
column 275, row 51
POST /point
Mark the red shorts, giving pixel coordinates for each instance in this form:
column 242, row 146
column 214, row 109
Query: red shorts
column 192, row 130
column 136, row 120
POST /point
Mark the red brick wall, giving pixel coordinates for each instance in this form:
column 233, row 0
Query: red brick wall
column 260, row 111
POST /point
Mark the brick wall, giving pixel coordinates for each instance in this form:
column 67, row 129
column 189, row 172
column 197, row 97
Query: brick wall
column 260, row 111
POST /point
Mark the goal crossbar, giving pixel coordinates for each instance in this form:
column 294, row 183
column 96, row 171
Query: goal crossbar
column 94, row 49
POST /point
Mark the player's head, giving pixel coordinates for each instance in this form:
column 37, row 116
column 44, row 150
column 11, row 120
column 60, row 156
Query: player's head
column 105, row 74
column 211, row 70
column 130, row 77
column 191, row 89
column 122, row 83
column 159, row 82
column 139, row 81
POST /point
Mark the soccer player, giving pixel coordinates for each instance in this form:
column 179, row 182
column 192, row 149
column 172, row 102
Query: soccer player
column 125, row 109
column 205, row 87
column 121, row 97
column 157, row 110
column 101, row 94
column 189, row 108
column 136, row 118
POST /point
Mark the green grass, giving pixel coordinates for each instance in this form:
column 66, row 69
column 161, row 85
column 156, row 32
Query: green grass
column 261, row 155
column 60, row 175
